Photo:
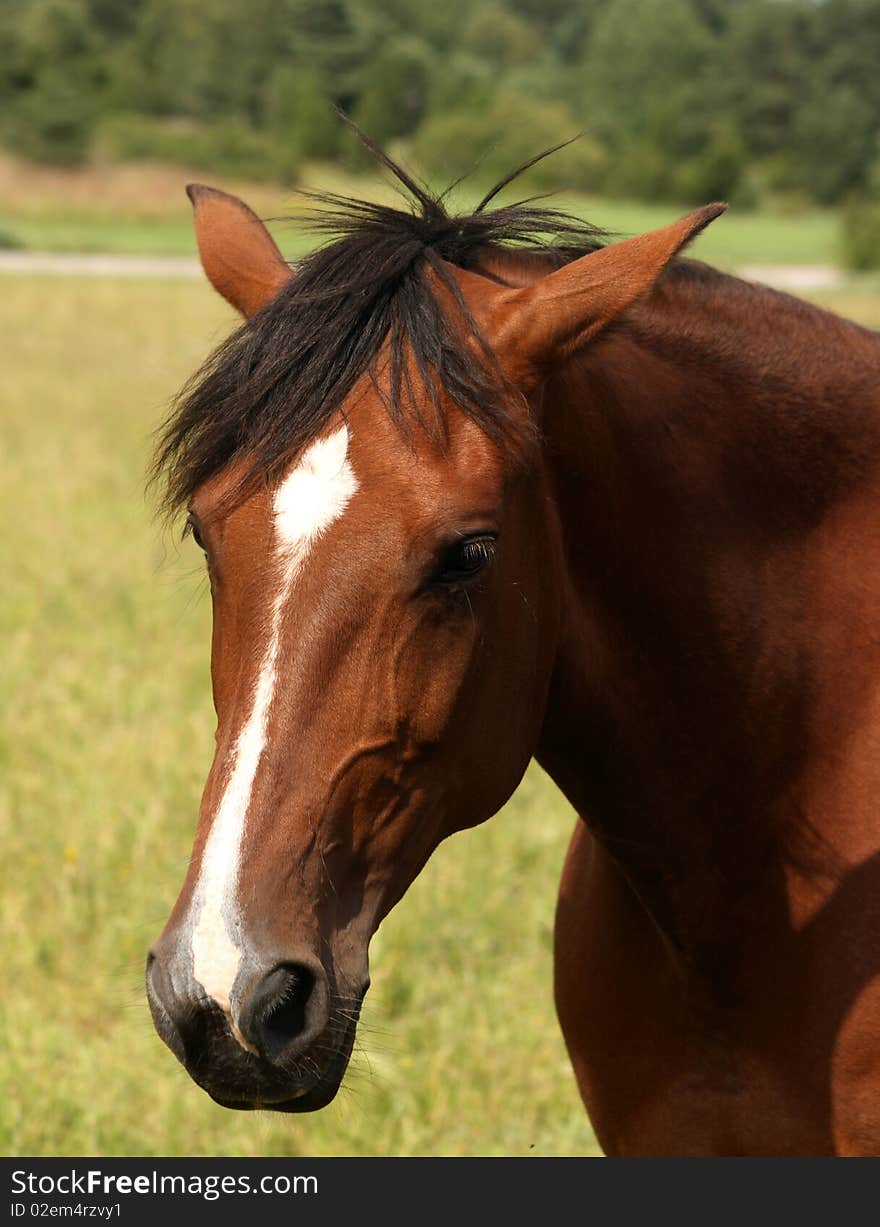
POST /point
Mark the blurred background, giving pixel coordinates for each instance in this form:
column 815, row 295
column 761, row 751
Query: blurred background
column 107, row 108
column 773, row 105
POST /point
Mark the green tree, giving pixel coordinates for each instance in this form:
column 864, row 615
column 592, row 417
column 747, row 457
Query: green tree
column 499, row 37
column 54, row 78
column 115, row 19
column 394, row 89
column 300, row 114
column 832, row 140
column 489, row 143
column 646, row 77
column 678, row 98
column 766, row 66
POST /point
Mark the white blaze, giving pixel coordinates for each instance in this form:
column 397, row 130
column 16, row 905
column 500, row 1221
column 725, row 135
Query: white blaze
column 312, row 495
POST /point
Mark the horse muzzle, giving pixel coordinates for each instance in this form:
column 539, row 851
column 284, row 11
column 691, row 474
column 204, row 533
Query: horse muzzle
column 280, row 1046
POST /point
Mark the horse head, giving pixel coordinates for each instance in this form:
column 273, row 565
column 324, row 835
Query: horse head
column 361, row 464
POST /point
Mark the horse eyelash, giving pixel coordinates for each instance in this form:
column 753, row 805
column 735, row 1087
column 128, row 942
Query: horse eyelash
column 190, row 529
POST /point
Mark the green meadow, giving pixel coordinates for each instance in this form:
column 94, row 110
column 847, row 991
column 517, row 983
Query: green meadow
column 106, row 738
column 754, row 237
column 141, row 209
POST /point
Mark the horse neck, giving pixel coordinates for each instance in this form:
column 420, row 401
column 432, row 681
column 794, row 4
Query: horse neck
column 715, row 465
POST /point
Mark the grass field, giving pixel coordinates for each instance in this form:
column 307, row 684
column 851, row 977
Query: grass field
column 143, row 210
column 106, row 738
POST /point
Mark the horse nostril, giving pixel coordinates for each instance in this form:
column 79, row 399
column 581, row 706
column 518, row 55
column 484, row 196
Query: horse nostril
column 282, row 1014
column 286, row 1017
column 178, row 1022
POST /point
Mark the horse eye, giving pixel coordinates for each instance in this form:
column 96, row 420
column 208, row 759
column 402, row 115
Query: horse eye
column 466, row 559
column 192, row 529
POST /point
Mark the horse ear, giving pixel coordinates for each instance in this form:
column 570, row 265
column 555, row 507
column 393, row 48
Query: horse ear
column 552, row 317
column 238, row 254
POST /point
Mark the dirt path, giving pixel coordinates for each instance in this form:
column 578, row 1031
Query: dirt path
column 81, row 264
column 796, row 277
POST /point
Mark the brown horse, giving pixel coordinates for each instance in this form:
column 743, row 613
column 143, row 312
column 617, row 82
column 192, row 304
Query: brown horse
column 467, row 499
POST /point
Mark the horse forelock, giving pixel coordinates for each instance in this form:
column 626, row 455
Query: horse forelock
column 272, row 387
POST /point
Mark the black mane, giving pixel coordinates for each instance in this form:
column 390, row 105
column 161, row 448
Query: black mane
column 272, row 385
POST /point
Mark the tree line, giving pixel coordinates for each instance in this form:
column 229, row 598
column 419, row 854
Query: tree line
column 685, row 100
